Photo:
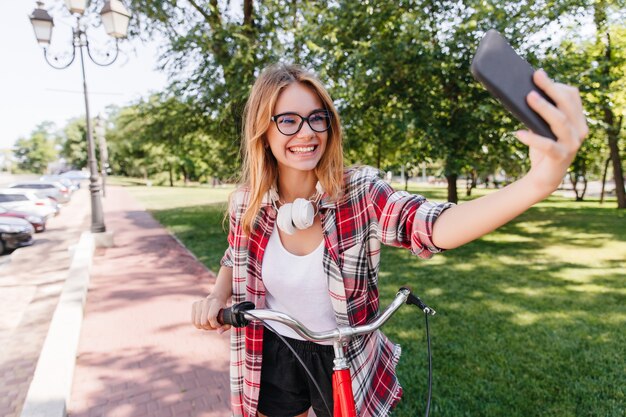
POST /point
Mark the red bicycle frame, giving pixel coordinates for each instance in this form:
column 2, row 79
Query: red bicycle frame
column 343, row 397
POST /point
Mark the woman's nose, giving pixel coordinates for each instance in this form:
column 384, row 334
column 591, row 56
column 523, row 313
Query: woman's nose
column 306, row 131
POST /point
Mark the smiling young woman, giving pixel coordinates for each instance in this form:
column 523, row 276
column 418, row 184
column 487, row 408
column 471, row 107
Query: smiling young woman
column 305, row 238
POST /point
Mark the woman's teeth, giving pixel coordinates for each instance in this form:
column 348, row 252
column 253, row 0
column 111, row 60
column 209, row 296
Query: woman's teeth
column 302, row 149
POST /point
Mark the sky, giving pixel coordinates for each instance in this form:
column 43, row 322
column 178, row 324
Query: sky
column 32, row 92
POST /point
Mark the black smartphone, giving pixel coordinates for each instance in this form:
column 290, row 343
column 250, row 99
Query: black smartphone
column 508, row 77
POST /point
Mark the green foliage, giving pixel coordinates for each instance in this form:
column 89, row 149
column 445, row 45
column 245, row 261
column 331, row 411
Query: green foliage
column 33, row 154
column 74, row 143
column 598, row 65
column 213, row 54
column 165, row 133
column 400, row 73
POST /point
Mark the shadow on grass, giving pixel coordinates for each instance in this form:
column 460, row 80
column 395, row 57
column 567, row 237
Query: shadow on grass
column 516, row 334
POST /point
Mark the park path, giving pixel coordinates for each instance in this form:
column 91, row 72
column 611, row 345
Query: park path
column 138, row 353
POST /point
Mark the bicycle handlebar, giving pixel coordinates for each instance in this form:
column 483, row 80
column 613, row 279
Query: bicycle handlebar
column 239, row 315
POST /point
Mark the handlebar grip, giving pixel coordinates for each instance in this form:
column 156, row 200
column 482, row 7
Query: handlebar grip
column 224, row 316
column 416, row 301
column 234, row 315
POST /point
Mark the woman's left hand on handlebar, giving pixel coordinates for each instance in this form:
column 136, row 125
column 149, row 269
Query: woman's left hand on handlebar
column 551, row 159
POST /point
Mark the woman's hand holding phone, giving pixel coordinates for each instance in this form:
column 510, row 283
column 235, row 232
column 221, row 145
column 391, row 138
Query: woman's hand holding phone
column 550, row 159
column 557, row 127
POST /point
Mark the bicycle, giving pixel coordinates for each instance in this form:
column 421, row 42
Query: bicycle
column 239, row 315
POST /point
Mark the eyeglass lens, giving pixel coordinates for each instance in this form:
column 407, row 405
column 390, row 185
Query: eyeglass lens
column 291, row 123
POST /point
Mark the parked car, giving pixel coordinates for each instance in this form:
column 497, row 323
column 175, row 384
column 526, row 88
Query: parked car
column 38, row 222
column 69, row 183
column 52, row 189
column 26, row 201
column 76, row 175
column 15, row 233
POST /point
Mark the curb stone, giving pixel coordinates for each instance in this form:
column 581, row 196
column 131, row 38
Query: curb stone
column 49, row 391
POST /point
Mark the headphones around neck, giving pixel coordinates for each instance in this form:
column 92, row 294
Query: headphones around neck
column 297, row 215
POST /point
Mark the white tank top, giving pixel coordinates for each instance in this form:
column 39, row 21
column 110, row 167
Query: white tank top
column 297, row 285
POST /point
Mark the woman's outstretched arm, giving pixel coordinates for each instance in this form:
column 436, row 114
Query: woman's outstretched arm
column 549, row 163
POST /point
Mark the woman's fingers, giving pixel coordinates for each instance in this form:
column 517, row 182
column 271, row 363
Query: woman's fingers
column 196, row 313
column 204, row 322
column 557, row 119
column 212, row 313
column 539, row 143
column 567, row 100
column 204, row 314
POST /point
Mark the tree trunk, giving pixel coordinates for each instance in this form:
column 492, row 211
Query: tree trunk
column 573, row 179
column 185, row 175
column 606, row 168
column 618, row 173
column 452, row 191
column 585, row 183
column 472, row 179
column 580, row 195
column 613, row 126
column 171, row 175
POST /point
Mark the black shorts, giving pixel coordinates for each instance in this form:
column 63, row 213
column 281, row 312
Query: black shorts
column 286, row 389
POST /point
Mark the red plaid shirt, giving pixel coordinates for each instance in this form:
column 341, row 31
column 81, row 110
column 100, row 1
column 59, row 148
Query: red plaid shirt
column 369, row 213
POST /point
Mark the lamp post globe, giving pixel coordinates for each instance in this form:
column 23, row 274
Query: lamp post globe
column 115, row 18
column 76, row 6
column 42, row 24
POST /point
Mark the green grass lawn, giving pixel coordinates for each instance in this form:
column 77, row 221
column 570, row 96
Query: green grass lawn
column 531, row 318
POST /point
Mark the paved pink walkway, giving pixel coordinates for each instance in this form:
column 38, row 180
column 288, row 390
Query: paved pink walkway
column 138, row 354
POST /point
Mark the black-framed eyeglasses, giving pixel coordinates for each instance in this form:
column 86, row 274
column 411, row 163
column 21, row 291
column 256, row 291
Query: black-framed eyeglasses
column 290, row 123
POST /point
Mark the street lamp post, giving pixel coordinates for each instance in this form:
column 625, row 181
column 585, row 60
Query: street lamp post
column 115, row 17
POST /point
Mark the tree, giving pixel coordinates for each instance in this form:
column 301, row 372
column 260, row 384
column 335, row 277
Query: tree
column 213, row 55
column 33, row 154
column 609, row 75
column 73, row 141
column 598, row 65
column 164, row 133
column 129, row 153
column 401, row 72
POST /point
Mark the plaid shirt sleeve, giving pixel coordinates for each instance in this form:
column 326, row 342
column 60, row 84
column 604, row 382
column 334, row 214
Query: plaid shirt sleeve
column 227, row 259
column 237, row 204
column 405, row 220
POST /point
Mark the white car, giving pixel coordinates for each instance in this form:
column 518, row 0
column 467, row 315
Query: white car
column 26, row 201
column 70, row 184
column 52, row 189
column 76, row 175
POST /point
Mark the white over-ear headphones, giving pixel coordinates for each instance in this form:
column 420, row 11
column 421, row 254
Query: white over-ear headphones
column 297, row 215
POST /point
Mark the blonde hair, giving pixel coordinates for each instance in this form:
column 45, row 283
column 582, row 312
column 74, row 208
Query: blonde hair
column 260, row 169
